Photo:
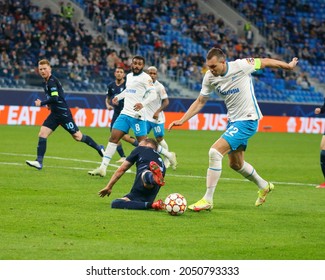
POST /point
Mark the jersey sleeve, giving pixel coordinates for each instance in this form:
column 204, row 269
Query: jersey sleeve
column 249, row 65
column 163, row 93
column 133, row 156
column 206, row 88
column 53, row 96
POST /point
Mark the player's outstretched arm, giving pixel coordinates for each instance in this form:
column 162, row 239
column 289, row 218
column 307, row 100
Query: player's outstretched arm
column 196, row 107
column 115, row 177
column 274, row 63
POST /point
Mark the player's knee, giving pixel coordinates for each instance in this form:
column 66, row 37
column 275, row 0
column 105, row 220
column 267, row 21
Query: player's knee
column 147, row 179
column 118, row 203
column 78, row 136
column 235, row 165
column 214, row 157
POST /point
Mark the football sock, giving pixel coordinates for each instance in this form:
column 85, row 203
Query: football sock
column 123, row 204
column 213, row 173
column 120, row 150
column 163, row 151
column 250, row 173
column 109, row 152
column 164, row 144
column 148, row 178
column 136, row 142
column 41, row 149
column 90, row 142
column 322, row 161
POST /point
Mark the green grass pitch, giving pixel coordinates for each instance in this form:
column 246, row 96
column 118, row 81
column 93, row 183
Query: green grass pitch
column 56, row 213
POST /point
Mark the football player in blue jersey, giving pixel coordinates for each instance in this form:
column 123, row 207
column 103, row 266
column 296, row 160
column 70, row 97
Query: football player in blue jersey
column 148, row 179
column 60, row 115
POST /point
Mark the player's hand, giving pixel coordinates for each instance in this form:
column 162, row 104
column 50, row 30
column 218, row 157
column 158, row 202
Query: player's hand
column 115, row 100
column 38, row 102
column 317, row 111
column 293, row 62
column 105, row 192
column 174, row 123
column 109, row 107
column 137, row 106
column 155, row 116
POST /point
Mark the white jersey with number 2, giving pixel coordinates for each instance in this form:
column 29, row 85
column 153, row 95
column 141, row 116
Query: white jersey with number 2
column 236, row 88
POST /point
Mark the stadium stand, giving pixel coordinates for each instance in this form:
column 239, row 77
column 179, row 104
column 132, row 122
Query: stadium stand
column 173, row 36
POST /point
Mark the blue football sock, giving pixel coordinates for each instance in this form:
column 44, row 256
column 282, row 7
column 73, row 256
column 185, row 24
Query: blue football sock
column 90, row 142
column 41, row 149
column 123, row 204
column 120, row 151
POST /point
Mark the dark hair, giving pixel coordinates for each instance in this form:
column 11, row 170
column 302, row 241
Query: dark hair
column 216, row 52
column 139, row 57
column 152, row 142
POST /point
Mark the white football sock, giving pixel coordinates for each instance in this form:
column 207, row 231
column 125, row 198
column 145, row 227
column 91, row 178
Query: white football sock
column 250, row 173
column 164, row 144
column 213, row 173
column 109, row 152
column 163, row 151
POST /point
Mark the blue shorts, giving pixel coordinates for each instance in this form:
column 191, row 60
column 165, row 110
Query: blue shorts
column 140, row 193
column 238, row 133
column 124, row 123
column 158, row 129
column 66, row 121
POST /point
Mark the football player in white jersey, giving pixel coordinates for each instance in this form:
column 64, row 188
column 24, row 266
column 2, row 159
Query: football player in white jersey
column 139, row 92
column 233, row 83
column 155, row 112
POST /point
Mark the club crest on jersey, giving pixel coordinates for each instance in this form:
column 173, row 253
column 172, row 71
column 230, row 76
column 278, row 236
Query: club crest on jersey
column 250, row 61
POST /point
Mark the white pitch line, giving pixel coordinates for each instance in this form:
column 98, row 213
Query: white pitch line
column 130, row 171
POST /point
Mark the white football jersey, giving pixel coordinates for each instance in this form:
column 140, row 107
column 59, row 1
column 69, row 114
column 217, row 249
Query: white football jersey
column 139, row 89
column 153, row 106
column 236, row 89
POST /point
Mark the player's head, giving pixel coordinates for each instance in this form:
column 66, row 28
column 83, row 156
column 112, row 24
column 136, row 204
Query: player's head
column 153, row 72
column 216, row 61
column 138, row 63
column 149, row 142
column 119, row 73
column 44, row 68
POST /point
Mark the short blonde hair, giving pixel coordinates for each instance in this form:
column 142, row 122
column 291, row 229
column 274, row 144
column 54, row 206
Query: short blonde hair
column 44, row 61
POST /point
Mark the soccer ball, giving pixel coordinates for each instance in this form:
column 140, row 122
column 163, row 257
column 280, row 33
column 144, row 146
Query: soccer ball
column 175, row 204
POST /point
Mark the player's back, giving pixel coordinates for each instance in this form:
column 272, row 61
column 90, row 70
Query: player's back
column 142, row 156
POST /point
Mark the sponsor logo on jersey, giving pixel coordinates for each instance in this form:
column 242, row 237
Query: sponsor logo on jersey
column 250, row 61
column 227, row 92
